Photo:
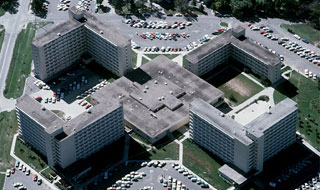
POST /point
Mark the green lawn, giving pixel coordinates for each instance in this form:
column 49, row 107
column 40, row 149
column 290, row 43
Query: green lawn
column 2, row 11
column 224, row 24
column 144, row 60
column 26, row 154
column 278, row 96
column 2, row 32
column 170, row 56
column 184, row 64
column 49, row 174
column 134, row 59
column 2, row 177
column 8, row 127
column 304, row 31
column 286, row 68
column 307, row 94
column 202, row 164
column 20, row 66
column 165, row 151
column 239, row 89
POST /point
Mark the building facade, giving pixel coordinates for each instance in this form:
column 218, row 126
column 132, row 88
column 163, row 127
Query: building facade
column 61, row 46
column 247, row 147
column 62, row 142
column 232, row 46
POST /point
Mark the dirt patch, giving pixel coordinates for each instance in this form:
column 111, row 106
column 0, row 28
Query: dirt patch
column 238, row 86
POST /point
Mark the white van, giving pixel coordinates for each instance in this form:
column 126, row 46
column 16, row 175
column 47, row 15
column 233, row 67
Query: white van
column 297, row 37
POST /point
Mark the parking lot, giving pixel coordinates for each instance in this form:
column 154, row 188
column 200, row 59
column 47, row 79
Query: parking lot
column 290, row 58
column 27, row 181
column 65, row 93
column 144, row 175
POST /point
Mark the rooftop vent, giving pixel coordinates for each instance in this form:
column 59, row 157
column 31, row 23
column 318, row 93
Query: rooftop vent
column 147, row 87
column 59, row 34
column 165, row 83
column 140, row 98
column 155, row 82
column 144, row 90
column 101, row 32
column 43, row 108
column 159, row 98
column 171, row 92
column 162, row 97
column 222, row 114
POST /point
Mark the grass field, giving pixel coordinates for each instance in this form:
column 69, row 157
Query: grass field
column 286, row 68
column 2, row 177
column 20, row 66
column 2, row 32
column 144, row 60
column 134, row 59
column 26, row 154
column 278, row 96
column 306, row 93
column 2, row 11
column 170, row 56
column 166, row 151
column 49, row 174
column 304, row 31
column 237, row 89
column 8, row 127
column 224, row 24
column 202, row 164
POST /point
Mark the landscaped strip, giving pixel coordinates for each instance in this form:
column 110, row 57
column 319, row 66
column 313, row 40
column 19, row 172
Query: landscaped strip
column 20, row 66
column 2, row 33
column 170, row 56
column 202, row 164
column 305, row 31
column 8, row 127
column 2, row 177
column 134, row 59
column 144, row 60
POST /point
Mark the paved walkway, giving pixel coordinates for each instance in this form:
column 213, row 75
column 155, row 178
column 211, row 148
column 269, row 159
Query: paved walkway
column 267, row 92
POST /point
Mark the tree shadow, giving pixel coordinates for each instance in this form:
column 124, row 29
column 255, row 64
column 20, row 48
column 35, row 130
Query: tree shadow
column 10, row 6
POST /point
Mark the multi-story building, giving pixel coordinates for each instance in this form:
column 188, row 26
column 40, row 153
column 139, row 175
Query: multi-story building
column 64, row 142
column 59, row 47
column 233, row 46
column 247, row 147
column 156, row 99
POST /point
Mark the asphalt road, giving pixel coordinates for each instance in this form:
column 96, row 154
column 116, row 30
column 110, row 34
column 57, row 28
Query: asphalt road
column 27, row 181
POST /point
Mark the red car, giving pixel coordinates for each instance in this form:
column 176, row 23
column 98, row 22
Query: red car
column 180, row 22
column 35, row 177
column 249, row 24
column 143, row 36
column 54, row 94
column 13, row 170
column 88, row 106
column 262, row 32
column 220, row 29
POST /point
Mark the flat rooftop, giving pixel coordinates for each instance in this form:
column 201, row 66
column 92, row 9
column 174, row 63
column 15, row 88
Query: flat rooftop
column 227, row 38
column 162, row 100
column 221, row 121
column 232, row 174
column 276, row 113
column 90, row 22
column 51, row 122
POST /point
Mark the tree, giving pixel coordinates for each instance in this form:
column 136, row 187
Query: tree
column 181, row 5
column 201, row 8
column 241, row 8
column 99, row 2
column 315, row 15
